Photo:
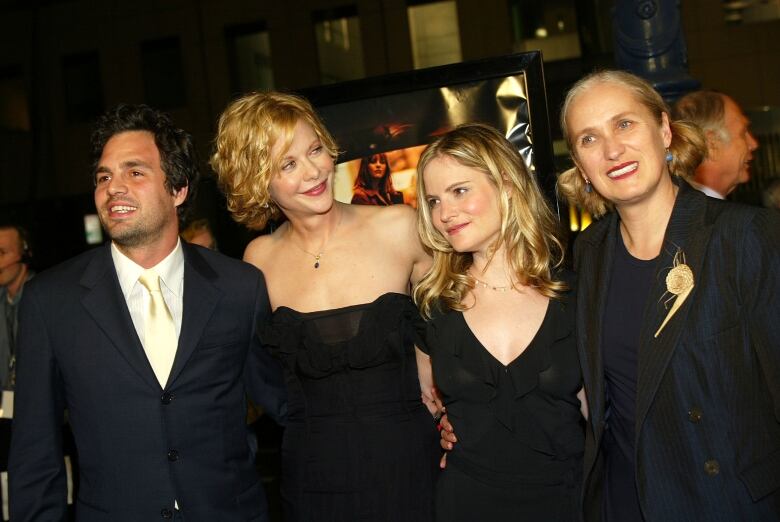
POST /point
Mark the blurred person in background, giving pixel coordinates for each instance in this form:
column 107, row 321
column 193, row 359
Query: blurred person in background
column 730, row 144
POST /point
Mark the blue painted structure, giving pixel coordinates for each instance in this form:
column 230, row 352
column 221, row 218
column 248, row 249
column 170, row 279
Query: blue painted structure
column 649, row 42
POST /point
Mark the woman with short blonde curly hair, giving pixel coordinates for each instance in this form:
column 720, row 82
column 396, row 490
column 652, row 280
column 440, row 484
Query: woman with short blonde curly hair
column 500, row 333
column 243, row 161
column 359, row 443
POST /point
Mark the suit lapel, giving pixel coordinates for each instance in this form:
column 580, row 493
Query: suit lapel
column 106, row 304
column 689, row 233
column 200, row 300
column 597, row 261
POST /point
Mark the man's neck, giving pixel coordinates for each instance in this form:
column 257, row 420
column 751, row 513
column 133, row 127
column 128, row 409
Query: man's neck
column 707, row 180
column 149, row 255
column 15, row 286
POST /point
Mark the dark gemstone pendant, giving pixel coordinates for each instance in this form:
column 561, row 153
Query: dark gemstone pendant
column 317, row 264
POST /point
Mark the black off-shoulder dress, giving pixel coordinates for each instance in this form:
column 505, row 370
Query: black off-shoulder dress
column 519, row 427
column 359, row 444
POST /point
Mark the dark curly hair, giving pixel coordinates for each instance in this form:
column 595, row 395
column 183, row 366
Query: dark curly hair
column 177, row 152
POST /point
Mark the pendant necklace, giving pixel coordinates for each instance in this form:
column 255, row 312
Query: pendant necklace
column 315, row 256
column 322, row 252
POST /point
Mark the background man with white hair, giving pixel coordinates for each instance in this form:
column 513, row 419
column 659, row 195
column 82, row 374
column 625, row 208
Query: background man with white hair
column 730, row 144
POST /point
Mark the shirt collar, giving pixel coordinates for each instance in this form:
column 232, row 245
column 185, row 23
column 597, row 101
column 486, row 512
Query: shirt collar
column 18, row 297
column 707, row 190
column 170, row 270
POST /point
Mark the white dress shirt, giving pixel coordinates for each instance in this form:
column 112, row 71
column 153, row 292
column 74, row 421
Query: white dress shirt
column 171, row 272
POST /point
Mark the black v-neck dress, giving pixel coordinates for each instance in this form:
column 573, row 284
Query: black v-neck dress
column 519, row 427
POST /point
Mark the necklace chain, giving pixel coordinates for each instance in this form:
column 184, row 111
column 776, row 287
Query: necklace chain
column 315, row 256
column 494, row 288
column 322, row 252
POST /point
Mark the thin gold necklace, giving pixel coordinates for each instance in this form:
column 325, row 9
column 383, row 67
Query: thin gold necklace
column 322, row 252
column 315, row 256
column 491, row 287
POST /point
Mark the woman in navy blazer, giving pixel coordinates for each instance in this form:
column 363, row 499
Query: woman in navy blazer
column 678, row 319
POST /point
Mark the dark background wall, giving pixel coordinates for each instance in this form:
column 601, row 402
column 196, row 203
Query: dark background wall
column 63, row 62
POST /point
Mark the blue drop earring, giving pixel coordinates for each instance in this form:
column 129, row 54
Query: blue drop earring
column 669, row 156
column 588, row 187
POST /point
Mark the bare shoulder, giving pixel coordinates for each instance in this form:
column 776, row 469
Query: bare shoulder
column 397, row 226
column 393, row 223
column 258, row 250
column 400, row 219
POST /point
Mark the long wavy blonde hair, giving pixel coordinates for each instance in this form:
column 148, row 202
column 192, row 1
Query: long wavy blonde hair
column 529, row 229
column 248, row 129
column 688, row 146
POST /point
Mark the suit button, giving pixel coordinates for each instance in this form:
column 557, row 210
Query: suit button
column 712, row 467
column 166, row 513
column 173, row 455
column 166, row 398
column 694, row 415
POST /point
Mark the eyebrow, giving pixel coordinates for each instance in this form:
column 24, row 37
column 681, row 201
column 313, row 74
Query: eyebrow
column 123, row 166
column 451, row 186
column 614, row 118
column 288, row 156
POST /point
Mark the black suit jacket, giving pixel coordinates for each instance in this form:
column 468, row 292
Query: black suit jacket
column 708, row 387
column 140, row 447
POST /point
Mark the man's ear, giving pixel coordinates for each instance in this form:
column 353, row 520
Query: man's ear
column 713, row 144
column 180, row 196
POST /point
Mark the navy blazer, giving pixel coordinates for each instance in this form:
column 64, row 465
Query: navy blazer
column 140, row 446
column 708, row 387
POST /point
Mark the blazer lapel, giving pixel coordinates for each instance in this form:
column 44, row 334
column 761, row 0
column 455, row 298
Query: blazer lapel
column 200, row 300
column 689, row 234
column 106, row 304
column 596, row 261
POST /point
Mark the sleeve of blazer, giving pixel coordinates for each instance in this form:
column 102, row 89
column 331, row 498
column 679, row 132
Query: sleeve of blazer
column 759, row 287
column 36, row 469
column 263, row 374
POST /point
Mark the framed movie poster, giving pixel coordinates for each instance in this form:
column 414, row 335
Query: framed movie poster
column 382, row 124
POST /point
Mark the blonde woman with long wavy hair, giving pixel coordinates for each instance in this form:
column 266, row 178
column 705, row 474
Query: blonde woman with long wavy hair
column 501, row 333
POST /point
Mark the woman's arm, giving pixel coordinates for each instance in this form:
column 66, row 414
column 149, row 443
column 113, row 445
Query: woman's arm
column 407, row 229
column 424, row 372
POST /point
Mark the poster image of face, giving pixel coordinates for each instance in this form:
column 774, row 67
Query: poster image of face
column 382, row 124
column 382, row 178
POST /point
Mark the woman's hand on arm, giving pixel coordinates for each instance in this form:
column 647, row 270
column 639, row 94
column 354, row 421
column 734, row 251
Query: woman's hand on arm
column 425, row 374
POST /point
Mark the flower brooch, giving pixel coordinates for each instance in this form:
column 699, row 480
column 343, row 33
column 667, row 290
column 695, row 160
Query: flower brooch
column 679, row 283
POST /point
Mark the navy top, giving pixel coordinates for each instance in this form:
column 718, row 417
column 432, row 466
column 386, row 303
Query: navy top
column 629, row 287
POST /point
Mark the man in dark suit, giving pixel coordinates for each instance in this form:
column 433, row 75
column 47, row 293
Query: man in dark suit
column 150, row 345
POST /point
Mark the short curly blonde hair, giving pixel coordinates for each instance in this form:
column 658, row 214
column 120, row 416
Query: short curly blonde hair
column 688, row 146
column 248, row 129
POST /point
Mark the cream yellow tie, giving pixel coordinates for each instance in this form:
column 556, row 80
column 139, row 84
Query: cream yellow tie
column 160, row 339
